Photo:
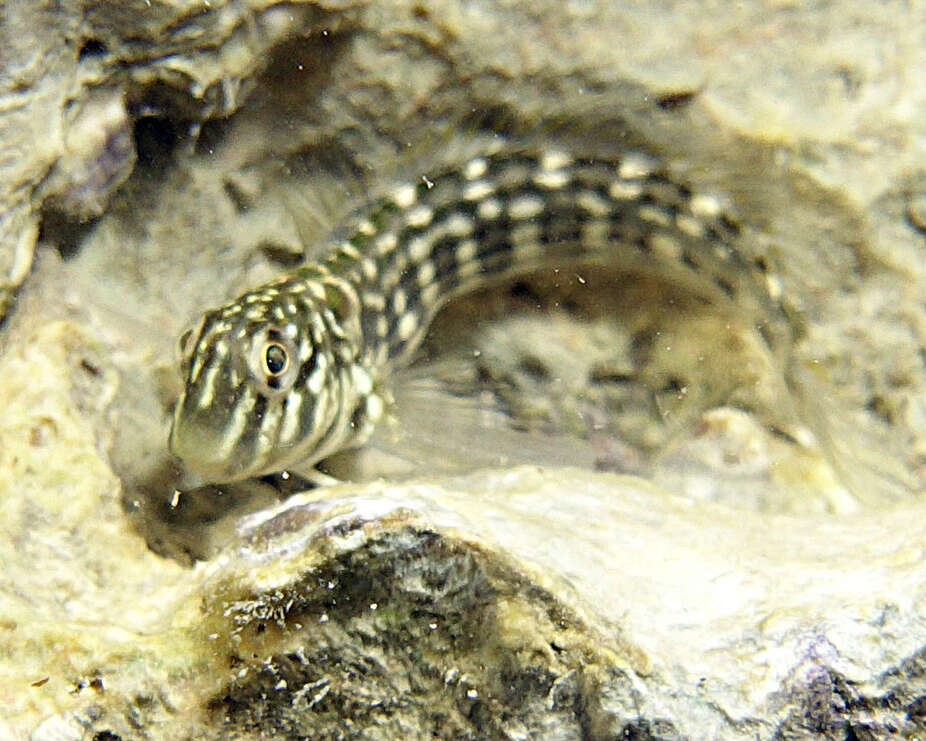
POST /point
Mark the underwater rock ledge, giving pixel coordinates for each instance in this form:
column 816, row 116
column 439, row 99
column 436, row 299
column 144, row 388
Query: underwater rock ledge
column 529, row 603
column 514, row 603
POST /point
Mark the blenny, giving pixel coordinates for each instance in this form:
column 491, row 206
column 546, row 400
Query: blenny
column 295, row 370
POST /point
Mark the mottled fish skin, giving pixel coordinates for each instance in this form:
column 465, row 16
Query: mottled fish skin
column 293, row 371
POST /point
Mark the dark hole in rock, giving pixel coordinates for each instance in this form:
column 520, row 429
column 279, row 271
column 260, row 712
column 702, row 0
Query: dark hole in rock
column 92, row 48
column 156, row 137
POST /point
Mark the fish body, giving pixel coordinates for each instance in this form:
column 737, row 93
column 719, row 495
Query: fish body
column 295, row 370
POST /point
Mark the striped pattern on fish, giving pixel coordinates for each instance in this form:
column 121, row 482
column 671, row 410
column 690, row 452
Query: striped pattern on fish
column 294, row 370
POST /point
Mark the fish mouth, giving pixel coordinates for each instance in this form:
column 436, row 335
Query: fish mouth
column 197, row 447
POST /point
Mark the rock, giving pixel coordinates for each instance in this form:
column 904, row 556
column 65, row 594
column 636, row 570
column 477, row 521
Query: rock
column 759, row 575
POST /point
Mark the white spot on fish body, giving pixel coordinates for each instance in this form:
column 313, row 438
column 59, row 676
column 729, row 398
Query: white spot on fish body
column 386, row 243
column 405, row 195
column 369, row 269
column 207, row 394
column 426, row 273
column 491, row 208
column 525, row 207
column 555, row 159
column 635, row 165
column 361, row 379
column 552, row 180
column 399, row 301
column 705, row 206
column 419, row 248
column 374, row 301
column 316, row 378
column 629, row 190
column 690, row 225
column 593, row 204
column 291, row 417
column 430, row 294
column 475, row 168
column 305, row 350
column 349, row 251
column 407, row 325
column 240, row 415
column 655, row 215
column 478, row 190
column 466, row 251
column 458, row 225
column 419, row 216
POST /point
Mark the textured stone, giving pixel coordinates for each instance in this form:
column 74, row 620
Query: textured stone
column 759, row 576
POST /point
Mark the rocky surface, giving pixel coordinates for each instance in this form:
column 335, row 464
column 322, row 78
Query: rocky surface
column 747, row 561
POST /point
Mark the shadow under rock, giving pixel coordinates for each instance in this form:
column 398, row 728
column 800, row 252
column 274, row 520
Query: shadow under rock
column 190, row 523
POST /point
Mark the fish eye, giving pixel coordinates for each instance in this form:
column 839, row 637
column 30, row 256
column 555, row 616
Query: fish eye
column 272, row 360
column 276, row 359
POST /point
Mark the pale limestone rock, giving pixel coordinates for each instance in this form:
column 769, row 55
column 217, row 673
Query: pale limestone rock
column 740, row 587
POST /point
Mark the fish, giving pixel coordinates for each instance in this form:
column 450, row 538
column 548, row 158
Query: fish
column 297, row 369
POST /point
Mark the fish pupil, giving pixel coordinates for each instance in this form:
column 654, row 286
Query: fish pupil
column 276, row 359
